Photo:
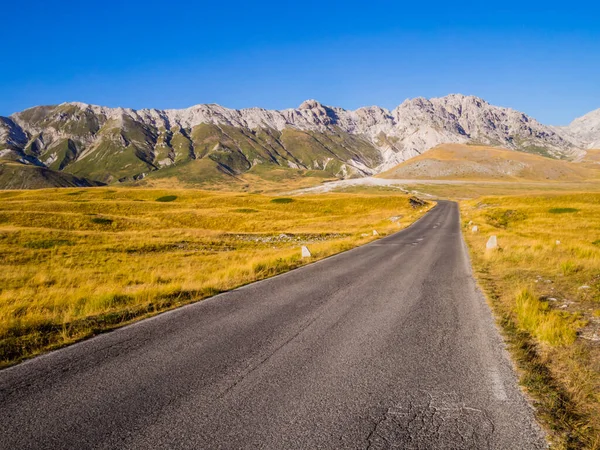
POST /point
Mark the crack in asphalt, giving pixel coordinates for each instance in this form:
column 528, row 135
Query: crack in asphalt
column 431, row 420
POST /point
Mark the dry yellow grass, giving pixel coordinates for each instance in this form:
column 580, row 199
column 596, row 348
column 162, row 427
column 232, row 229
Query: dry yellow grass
column 544, row 285
column 473, row 162
column 75, row 262
column 260, row 179
column 592, row 156
column 464, row 190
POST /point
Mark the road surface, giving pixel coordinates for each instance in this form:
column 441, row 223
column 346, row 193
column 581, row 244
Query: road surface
column 389, row 345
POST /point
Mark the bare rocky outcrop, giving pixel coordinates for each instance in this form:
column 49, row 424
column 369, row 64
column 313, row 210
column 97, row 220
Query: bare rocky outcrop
column 585, row 130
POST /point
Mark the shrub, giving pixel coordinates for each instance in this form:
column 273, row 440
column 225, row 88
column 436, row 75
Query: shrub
column 102, row 220
column 167, row 198
column 416, row 202
column 282, row 200
column 503, row 218
column 48, row 243
column 245, row 210
column 562, row 210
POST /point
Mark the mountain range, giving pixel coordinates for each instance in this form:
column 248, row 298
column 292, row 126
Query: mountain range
column 76, row 144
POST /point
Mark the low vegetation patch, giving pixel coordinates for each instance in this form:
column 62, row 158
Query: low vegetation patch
column 545, row 288
column 500, row 218
column 70, row 269
column 47, row 243
column 547, row 325
column 562, row 210
column 416, row 202
column 282, row 200
column 167, row 198
column 102, row 220
column 245, row 210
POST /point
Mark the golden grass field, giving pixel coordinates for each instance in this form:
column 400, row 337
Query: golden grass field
column 259, row 179
column 466, row 190
column 485, row 163
column 544, row 285
column 75, row 262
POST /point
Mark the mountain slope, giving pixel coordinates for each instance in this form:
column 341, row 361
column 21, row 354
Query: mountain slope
column 117, row 145
column 26, row 176
column 591, row 156
column 473, row 162
column 586, row 129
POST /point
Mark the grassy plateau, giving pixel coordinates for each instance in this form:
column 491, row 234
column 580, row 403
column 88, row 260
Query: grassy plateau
column 484, row 163
column 543, row 283
column 76, row 262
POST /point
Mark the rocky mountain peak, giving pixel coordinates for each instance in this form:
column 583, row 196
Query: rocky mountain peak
column 586, row 129
column 310, row 104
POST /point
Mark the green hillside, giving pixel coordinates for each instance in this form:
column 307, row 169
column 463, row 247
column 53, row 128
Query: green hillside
column 83, row 144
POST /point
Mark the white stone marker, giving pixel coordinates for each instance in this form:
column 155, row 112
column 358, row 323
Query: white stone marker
column 306, row 252
column 492, row 243
column 475, row 229
column 375, row 233
column 557, row 242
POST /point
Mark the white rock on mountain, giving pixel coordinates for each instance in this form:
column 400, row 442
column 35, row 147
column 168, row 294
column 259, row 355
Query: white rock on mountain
column 586, row 130
column 10, row 134
column 12, row 140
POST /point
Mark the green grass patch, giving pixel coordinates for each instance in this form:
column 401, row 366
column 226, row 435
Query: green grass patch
column 167, row 198
column 245, row 210
column 47, row 243
column 102, row 220
column 282, row 200
column 547, row 325
column 569, row 267
column 562, row 210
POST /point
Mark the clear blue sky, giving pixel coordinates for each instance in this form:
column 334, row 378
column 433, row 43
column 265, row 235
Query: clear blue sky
column 542, row 58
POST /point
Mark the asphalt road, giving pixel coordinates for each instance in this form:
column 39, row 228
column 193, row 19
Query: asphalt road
column 389, row 345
